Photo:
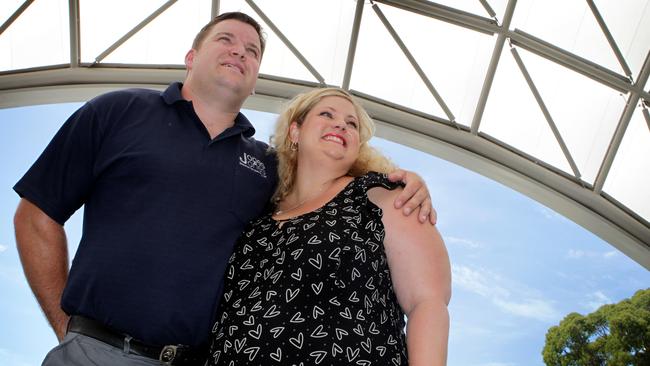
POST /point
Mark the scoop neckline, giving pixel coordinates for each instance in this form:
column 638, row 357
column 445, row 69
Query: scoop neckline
column 319, row 209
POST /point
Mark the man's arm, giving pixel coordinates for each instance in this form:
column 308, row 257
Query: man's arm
column 43, row 251
column 415, row 194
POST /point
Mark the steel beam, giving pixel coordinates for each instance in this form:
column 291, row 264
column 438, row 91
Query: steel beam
column 214, row 9
column 352, row 48
column 286, row 42
column 570, row 61
column 15, row 15
column 488, row 8
column 492, row 68
column 547, row 114
column 623, row 122
column 73, row 20
column 610, row 38
column 445, row 14
column 414, row 63
column 135, row 30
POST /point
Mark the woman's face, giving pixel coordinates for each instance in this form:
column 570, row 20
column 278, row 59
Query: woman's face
column 331, row 128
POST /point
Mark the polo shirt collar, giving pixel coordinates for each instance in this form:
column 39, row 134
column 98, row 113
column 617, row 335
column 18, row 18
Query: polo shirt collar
column 172, row 94
column 242, row 125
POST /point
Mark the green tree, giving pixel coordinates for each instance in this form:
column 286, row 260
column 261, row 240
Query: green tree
column 613, row 335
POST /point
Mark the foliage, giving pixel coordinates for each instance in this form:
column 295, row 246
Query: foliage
column 613, row 335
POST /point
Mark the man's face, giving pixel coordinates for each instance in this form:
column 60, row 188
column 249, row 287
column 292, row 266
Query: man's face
column 229, row 56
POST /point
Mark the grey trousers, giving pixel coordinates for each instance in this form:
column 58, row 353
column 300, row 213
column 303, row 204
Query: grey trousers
column 77, row 350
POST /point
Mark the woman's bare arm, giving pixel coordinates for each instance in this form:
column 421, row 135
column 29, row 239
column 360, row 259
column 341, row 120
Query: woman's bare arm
column 421, row 275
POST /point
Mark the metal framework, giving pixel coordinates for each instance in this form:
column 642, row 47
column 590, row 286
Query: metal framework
column 352, row 49
column 547, row 114
column 135, row 30
column 75, row 50
column 610, row 38
column 632, row 102
column 568, row 194
column 494, row 63
column 286, row 41
column 15, row 15
column 414, row 63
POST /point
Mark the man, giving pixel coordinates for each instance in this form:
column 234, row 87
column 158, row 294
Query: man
column 168, row 181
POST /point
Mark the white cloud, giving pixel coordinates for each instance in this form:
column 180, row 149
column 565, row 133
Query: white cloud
column 476, row 282
column 510, row 297
column 463, row 242
column 596, row 300
column 580, row 254
column 529, row 308
column 3, row 248
column 610, row 254
column 546, row 212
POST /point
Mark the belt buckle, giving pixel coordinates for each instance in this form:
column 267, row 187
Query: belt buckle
column 167, row 354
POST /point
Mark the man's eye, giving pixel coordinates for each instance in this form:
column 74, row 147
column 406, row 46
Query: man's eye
column 253, row 52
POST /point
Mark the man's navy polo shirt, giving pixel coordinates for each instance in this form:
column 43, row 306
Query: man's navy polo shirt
column 164, row 205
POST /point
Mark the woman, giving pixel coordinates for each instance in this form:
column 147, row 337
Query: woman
column 326, row 278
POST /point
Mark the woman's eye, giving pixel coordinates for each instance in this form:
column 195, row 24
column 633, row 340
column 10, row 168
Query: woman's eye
column 326, row 114
column 352, row 124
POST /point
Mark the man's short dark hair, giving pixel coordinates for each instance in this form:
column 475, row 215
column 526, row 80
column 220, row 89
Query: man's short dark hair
column 244, row 18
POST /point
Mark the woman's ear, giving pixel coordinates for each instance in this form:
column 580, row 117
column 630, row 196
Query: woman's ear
column 294, row 132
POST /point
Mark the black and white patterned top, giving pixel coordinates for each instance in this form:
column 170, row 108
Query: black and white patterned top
column 312, row 290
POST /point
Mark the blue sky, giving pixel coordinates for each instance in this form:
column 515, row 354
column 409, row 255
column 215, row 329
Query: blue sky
column 518, row 267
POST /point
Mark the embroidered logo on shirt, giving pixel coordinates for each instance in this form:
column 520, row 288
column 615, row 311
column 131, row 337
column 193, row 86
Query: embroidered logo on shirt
column 253, row 164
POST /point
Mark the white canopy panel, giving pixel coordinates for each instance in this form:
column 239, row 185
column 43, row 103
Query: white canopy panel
column 549, row 97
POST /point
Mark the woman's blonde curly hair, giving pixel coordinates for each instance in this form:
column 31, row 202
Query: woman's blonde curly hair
column 369, row 158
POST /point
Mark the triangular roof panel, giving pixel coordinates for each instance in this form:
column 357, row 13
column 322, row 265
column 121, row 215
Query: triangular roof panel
column 628, row 180
column 161, row 41
column 574, row 29
column 38, row 37
column 513, row 116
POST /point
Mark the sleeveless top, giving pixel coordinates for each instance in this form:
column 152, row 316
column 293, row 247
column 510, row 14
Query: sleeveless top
column 312, row 290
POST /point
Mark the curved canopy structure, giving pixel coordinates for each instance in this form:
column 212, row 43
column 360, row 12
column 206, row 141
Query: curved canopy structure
column 548, row 97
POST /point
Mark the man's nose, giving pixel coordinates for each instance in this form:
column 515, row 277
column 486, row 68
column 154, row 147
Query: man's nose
column 237, row 50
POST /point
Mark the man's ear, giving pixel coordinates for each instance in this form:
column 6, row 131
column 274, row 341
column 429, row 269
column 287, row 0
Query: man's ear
column 189, row 58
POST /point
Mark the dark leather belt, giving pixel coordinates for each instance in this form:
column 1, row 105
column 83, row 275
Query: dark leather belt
column 167, row 355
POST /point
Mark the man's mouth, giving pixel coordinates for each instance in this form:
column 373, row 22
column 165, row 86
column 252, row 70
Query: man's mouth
column 233, row 66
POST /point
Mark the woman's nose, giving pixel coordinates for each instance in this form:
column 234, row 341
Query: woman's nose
column 340, row 125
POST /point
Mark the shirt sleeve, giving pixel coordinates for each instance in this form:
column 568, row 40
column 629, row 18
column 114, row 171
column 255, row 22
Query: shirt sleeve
column 374, row 179
column 61, row 178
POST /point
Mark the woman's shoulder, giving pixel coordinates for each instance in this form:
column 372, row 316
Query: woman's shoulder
column 380, row 190
column 374, row 179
